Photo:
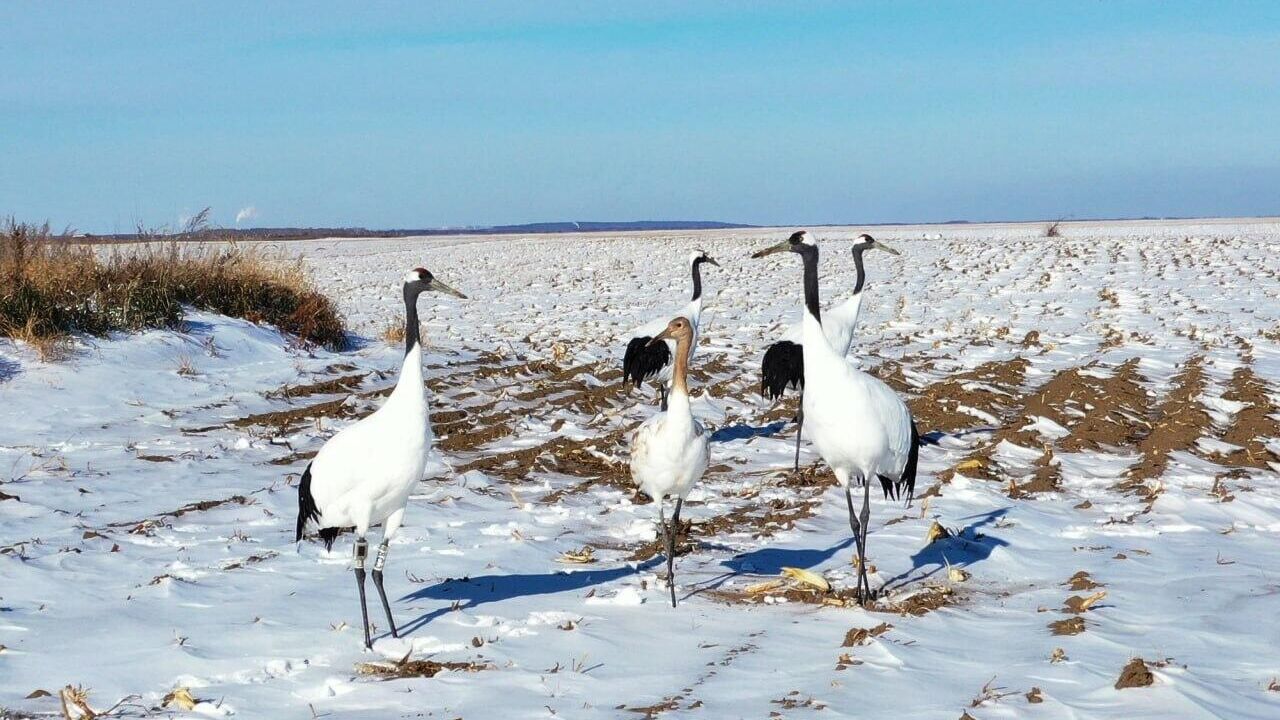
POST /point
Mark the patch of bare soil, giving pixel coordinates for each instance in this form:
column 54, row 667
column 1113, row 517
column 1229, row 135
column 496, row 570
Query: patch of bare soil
column 862, row 636
column 1068, row 626
column 461, row 437
column 324, row 387
column 1253, row 425
column 202, row 506
column 761, row 521
column 890, row 372
column 562, row 455
column 991, row 388
column 295, row 457
column 1082, row 581
column 784, row 409
column 407, row 668
column 284, row 420
column 919, row 602
column 1098, row 412
column 1180, row 421
column 1101, row 413
column 654, row 710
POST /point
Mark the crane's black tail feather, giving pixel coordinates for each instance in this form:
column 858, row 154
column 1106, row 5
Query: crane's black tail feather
column 308, row 512
column 907, row 481
column 643, row 361
column 783, row 366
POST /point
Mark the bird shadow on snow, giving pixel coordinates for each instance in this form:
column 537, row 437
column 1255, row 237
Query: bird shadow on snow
column 770, row 561
column 744, row 431
column 968, row 546
column 8, row 369
column 473, row 591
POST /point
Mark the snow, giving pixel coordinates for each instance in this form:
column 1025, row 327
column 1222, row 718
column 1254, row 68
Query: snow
column 101, row 585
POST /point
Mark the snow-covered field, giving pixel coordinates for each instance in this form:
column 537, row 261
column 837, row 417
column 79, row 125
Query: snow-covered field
column 1103, row 409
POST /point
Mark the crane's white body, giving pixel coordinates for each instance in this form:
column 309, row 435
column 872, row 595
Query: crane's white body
column 838, row 325
column 692, row 312
column 669, row 450
column 859, row 425
column 363, row 476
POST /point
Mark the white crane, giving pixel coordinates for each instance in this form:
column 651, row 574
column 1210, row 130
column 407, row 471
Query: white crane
column 858, row 424
column 644, row 359
column 362, row 476
column 669, row 450
column 783, row 364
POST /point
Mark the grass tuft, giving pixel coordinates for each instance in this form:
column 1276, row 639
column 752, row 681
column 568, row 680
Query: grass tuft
column 52, row 286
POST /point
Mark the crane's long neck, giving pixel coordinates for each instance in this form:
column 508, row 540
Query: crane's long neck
column 680, row 370
column 810, row 258
column 697, row 279
column 862, row 272
column 411, row 336
column 409, row 387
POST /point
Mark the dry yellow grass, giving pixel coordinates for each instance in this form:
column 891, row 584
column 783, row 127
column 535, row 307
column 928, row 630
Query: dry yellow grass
column 51, row 286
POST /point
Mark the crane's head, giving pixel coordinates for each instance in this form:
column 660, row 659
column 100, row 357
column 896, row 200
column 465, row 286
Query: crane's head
column 866, row 242
column 799, row 242
column 697, row 257
column 679, row 329
column 419, row 280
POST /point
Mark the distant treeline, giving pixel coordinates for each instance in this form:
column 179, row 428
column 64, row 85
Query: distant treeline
column 528, row 228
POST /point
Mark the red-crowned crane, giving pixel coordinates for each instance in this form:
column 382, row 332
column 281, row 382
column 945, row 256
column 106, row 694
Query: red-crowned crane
column 362, row 476
column 644, row 359
column 783, row 364
column 859, row 425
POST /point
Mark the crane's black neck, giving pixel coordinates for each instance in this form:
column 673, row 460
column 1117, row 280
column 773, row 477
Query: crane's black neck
column 411, row 337
column 862, row 273
column 809, row 254
column 697, row 277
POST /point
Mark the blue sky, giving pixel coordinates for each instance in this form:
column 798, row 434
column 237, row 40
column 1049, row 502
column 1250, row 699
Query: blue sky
column 430, row 114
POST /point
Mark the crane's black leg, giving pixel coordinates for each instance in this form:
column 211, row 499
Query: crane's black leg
column 662, row 391
column 799, row 427
column 671, row 549
column 378, row 563
column 362, row 551
column 865, row 519
column 855, row 526
column 669, row 546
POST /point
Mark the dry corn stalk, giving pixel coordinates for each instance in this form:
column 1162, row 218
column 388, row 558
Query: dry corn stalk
column 936, row 532
column 75, row 703
column 763, row 587
column 1077, row 604
column 955, row 574
column 580, row 557
column 181, row 698
column 805, row 577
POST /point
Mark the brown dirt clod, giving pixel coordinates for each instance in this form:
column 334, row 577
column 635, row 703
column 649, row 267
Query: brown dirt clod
column 1135, row 674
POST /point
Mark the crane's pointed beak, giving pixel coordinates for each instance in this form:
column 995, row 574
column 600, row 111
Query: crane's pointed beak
column 664, row 335
column 712, row 261
column 438, row 286
column 879, row 244
column 783, row 246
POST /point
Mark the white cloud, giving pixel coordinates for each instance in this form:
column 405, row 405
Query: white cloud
column 246, row 213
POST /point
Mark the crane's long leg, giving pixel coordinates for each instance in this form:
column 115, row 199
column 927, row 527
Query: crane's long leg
column 865, row 518
column 799, row 427
column 669, row 548
column 361, row 552
column 857, row 538
column 378, row 562
column 662, row 391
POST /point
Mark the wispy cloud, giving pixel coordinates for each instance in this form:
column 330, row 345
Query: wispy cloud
column 246, row 213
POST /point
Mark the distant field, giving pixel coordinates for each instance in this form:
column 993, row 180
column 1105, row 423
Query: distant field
column 1104, row 416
